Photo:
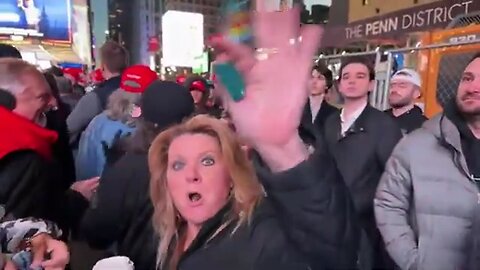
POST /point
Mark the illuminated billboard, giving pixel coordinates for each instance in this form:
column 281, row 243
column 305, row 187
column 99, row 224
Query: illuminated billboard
column 182, row 38
column 81, row 37
column 43, row 19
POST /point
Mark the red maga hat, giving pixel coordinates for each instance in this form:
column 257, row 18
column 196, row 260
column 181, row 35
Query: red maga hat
column 137, row 78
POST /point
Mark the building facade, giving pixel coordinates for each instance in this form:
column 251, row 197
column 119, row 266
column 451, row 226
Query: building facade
column 364, row 9
column 99, row 24
column 133, row 24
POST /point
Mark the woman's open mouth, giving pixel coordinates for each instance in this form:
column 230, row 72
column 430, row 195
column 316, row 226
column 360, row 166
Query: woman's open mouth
column 194, row 197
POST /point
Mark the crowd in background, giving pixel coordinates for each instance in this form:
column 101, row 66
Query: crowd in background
column 177, row 175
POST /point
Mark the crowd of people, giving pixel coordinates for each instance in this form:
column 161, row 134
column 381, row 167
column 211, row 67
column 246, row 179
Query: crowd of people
column 178, row 175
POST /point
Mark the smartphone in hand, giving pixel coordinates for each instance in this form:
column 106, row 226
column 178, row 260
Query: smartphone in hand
column 236, row 26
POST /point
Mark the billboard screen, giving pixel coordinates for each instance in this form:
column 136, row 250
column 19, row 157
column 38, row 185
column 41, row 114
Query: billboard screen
column 81, row 37
column 44, row 19
column 182, row 38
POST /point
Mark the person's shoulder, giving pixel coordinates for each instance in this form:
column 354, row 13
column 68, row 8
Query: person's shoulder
column 26, row 157
column 25, row 165
column 378, row 114
column 381, row 119
column 420, row 136
column 99, row 118
column 131, row 163
column 87, row 99
column 265, row 222
column 132, row 156
column 334, row 116
column 330, row 107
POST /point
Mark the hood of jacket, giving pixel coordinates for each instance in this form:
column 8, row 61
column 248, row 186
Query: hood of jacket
column 449, row 126
column 18, row 133
column 444, row 130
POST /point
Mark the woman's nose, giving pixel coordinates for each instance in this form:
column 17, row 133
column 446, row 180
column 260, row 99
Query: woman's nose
column 193, row 175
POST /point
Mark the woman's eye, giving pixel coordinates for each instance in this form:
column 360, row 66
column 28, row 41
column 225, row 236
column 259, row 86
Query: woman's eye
column 208, row 161
column 177, row 165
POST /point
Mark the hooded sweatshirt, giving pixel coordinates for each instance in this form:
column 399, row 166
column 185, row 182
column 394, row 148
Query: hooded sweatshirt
column 18, row 133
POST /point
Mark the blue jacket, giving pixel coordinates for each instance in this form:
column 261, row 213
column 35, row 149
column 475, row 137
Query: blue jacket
column 91, row 155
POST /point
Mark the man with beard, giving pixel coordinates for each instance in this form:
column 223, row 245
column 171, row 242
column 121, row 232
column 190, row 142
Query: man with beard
column 428, row 200
column 404, row 90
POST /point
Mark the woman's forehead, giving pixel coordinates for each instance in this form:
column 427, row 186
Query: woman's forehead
column 194, row 144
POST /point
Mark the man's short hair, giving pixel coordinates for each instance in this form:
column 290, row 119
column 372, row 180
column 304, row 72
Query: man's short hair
column 114, row 57
column 55, row 71
column 7, row 50
column 477, row 55
column 327, row 73
column 12, row 71
column 7, row 100
column 359, row 60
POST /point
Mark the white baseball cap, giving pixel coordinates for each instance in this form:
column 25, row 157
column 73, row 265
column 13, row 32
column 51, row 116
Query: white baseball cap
column 408, row 75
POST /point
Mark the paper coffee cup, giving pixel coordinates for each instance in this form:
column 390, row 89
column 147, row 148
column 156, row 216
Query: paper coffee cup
column 114, row 263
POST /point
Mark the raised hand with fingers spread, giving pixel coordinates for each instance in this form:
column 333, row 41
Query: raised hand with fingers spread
column 276, row 76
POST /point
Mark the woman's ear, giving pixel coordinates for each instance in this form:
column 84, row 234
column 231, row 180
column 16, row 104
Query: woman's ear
column 136, row 111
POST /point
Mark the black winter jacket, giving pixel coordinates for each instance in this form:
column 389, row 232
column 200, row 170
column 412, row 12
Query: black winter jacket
column 30, row 187
column 121, row 213
column 361, row 154
column 306, row 221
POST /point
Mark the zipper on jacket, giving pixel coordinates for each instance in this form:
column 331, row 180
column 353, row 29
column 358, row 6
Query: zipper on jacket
column 476, row 180
column 471, row 177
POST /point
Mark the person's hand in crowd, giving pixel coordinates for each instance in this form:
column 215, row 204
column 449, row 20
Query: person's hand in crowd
column 59, row 255
column 87, row 187
column 276, row 84
column 44, row 245
column 38, row 245
column 9, row 266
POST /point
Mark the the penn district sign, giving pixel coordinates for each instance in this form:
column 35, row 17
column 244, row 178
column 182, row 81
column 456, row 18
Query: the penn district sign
column 424, row 17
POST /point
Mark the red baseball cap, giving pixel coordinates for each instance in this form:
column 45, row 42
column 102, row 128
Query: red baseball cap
column 181, row 79
column 97, row 75
column 137, row 78
column 198, row 86
column 74, row 73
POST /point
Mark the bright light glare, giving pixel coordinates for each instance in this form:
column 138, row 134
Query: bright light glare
column 182, row 38
column 9, row 17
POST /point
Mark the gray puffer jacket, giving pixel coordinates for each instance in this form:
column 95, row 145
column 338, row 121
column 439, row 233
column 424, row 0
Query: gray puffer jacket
column 427, row 205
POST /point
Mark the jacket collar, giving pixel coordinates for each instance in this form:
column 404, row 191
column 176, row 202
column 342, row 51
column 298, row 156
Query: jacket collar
column 443, row 127
column 210, row 229
column 448, row 136
column 18, row 133
column 415, row 110
column 359, row 125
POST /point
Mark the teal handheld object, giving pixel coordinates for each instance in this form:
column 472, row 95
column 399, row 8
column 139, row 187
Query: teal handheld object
column 236, row 22
column 231, row 79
